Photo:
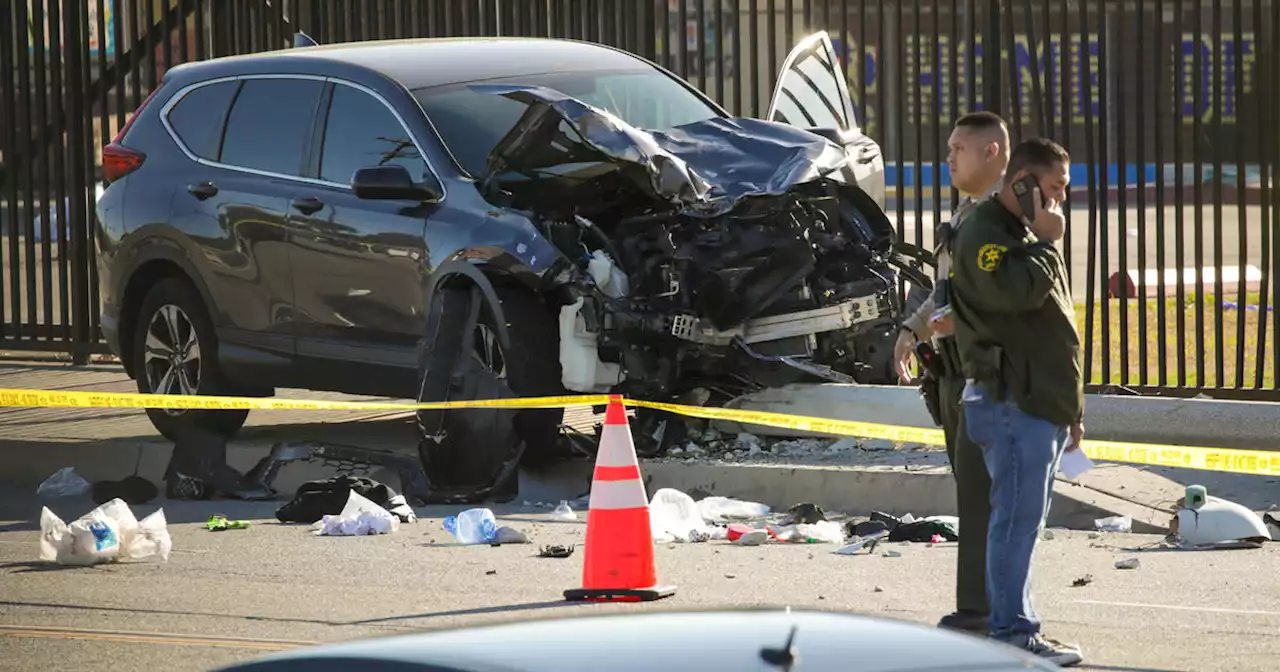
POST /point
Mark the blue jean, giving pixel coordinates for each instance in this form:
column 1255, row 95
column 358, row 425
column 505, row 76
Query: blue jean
column 1022, row 454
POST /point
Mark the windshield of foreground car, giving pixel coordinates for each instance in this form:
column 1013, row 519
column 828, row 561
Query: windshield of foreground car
column 471, row 123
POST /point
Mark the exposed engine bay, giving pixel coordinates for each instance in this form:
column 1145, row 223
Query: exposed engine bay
column 716, row 258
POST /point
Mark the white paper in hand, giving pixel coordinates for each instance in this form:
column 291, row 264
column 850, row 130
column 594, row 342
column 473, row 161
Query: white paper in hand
column 1074, row 463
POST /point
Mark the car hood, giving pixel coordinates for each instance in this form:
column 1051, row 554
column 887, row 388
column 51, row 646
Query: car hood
column 704, row 168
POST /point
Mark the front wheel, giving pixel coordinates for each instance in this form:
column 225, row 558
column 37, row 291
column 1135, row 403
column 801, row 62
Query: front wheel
column 175, row 352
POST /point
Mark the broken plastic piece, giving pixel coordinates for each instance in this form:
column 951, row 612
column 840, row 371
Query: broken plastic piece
column 1128, row 563
column 509, row 535
column 473, row 526
column 1114, row 524
column 555, row 551
column 728, row 510
column 218, row 523
column 867, row 543
column 1083, row 581
column 64, row 482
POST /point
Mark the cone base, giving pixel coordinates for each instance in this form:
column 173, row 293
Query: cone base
column 619, row 594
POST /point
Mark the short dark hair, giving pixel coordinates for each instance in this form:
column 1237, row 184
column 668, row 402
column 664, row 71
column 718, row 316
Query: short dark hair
column 1036, row 153
column 981, row 121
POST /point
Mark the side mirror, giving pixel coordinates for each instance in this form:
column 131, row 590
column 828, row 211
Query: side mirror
column 392, row 183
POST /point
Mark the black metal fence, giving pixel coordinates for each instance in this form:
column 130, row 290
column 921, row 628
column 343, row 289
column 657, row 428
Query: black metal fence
column 1167, row 106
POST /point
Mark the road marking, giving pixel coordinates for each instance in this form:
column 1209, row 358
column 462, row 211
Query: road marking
column 1182, row 607
column 53, row 632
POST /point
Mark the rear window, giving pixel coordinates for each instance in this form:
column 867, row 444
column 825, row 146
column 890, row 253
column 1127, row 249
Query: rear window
column 471, row 123
column 197, row 118
column 268, row 126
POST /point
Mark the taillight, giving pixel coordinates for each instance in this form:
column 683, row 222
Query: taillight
column 118, row 161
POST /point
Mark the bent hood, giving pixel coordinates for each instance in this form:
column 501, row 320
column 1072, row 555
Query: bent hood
column 705, row 168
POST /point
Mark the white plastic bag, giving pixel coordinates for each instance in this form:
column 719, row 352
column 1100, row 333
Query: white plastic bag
column 674, row 516
column 727, row 510
column 105, row 534
column 64, row 482
column 359, row 516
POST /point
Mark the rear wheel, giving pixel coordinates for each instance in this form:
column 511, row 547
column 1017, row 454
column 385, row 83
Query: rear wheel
column 175, row 352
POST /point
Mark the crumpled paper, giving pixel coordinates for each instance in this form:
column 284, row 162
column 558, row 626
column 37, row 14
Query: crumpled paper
column 359, row 517
column 108, row 533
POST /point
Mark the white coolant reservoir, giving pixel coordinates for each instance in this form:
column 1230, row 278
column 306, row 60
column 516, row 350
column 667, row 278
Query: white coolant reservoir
column 609, row 278
column 580, row 365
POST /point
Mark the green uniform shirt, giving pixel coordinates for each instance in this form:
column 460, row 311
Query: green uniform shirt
column 1015, row 322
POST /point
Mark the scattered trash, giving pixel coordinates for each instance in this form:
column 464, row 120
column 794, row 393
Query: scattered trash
column 723, row 510
column 878, row 589
column 64, row 482
column 805, row 513
column 473, row 526
column 108, row 533
column 730, row 576
column 817, row 533
column 1273, row 526
column 219, row 522
column 316, row 499
column 1082, row 581
column 892, row 554
column 359, row 517
column 134, row 490
column 866, row 528
column 1129, row 563
column 509, row 535
column 491, row 572
column 868, row 543
column 674, row 516
column 1114, row 524
column 1048, row 535
column 743, row 535
column 556, row 551
column 564, row 514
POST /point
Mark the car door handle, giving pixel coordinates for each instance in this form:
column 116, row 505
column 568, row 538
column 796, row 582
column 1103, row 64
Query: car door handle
column 202, row 190
column 307, row 205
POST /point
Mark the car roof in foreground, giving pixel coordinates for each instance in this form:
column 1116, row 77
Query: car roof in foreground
column 428, row 62
column 702, row 640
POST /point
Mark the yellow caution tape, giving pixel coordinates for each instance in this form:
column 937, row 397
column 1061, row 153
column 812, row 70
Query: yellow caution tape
column 1255, row 462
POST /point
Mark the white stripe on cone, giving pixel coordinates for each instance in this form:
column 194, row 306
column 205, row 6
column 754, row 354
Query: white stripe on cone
column 616, row 447
column 614, row 495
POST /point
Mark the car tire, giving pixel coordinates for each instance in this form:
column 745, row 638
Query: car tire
column 172, row 307
column 476, row 444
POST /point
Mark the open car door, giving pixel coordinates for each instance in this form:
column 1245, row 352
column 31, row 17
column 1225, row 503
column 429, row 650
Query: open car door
column 811, row 93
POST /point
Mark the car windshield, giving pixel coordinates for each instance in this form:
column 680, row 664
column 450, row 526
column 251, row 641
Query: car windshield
column 471, row 123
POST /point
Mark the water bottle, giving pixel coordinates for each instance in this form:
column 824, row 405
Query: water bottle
column 473, row 526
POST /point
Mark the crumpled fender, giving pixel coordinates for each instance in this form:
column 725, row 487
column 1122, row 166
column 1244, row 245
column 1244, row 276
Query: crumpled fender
column 482, row 282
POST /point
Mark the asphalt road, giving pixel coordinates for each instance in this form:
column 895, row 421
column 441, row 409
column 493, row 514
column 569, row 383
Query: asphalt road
column 234, row 595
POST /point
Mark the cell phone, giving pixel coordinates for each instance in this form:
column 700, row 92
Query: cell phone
column 1023, row 189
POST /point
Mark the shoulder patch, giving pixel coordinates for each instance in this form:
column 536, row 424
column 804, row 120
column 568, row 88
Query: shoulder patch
column 989, row 256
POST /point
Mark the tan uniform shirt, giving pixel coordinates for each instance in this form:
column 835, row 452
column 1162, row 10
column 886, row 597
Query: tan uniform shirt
column 918, row 322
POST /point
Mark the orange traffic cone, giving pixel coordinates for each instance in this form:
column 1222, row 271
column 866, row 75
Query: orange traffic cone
column 618, row 564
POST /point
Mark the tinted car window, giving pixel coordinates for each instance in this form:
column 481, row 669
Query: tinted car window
column 198, row 116
column 471, row 123
column 269, row 122
column 362, row 132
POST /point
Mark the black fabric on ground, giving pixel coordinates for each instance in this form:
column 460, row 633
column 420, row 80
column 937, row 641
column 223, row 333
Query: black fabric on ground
column 317, row 499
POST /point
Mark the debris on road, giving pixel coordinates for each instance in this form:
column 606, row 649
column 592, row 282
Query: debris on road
column 316, row 499
column 555, row 551
column 721, row 510
column 509, row 535
column 1082, row 581
column 821, row 532
column 1114, row 524
column 1204, row 522
column 64, row 482
column 134, row 490
column 108, row 533
column 1128, row 563
column 473, row 526
column 563, row 513
column 674, row 516
column 868, row 543
column 806, row 513
column 219, row 523
column 359, row 517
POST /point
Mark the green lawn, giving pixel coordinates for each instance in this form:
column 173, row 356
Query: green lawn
column 1148, row 339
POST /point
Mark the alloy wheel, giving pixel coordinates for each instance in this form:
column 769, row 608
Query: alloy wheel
column 172, row 359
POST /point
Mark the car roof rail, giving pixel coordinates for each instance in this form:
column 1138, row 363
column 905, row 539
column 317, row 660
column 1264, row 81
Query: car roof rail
column 301, row 39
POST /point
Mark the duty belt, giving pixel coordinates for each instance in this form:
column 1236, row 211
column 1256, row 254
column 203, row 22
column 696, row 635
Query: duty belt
column 950, row 354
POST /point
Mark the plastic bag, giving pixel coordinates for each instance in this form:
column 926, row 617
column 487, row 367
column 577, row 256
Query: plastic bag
column 674, row 516
column 563, row 514
column 105, row 534
column 726, row 510
column 65, row 482
column 360, row 516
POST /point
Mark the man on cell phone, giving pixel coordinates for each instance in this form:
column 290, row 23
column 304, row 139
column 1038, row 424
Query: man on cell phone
column 1019, row 348
column 977, row 154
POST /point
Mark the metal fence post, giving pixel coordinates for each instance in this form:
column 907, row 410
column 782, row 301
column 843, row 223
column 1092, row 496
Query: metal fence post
column 991, row 85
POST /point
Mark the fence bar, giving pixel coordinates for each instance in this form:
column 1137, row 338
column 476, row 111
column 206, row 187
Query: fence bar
column 1137, row 131
column 1162, row 342
column 1122, row 191
column 1091, row 183
column 1179, row 226
column 9, row 101
column 1263, row 97
column 1242, row 198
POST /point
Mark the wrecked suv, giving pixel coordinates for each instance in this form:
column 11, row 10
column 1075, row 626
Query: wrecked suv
column 487, row 218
